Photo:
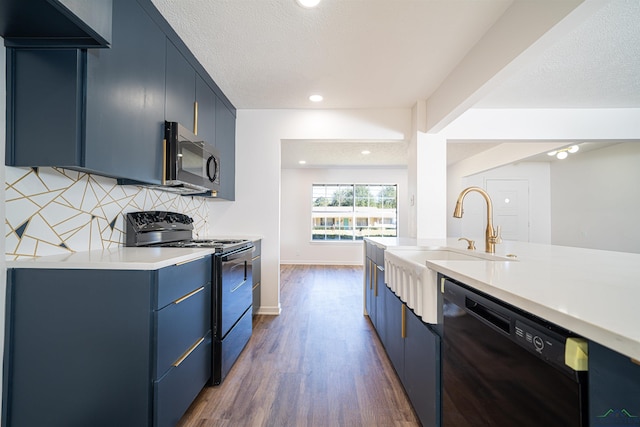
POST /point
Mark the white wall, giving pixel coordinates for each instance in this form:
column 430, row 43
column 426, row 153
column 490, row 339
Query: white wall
column 589, row 200
column 296, row 246
column 473, row 223
column 256, row 210
column 595, row 199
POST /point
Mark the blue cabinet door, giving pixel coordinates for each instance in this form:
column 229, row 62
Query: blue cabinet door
column 45, row 103
column 125, row 98
column 395, row 330
column 96, row 110
column 78, row 349
column 226, row 145
column 206, row 99
column 180, row 89
column 422, row 369
column 614, row 388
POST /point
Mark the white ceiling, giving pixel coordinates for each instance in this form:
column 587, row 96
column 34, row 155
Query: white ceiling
column 357, row 53
column 391, row 53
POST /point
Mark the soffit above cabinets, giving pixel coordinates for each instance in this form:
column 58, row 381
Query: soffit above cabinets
column 46, row 23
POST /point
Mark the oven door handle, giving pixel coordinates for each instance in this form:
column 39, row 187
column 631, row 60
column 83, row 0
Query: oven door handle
column 245, row 253
column 238, row 286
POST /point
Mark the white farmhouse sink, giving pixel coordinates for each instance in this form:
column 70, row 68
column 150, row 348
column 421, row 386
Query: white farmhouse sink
column 407, row 275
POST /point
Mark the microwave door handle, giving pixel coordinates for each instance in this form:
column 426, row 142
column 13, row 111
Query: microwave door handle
column 212, row 176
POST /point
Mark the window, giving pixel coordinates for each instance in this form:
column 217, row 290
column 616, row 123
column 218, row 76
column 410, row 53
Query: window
column 353, row 211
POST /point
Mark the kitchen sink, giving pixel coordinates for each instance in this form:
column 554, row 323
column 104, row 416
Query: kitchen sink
column 422, row 255
column 407, row 275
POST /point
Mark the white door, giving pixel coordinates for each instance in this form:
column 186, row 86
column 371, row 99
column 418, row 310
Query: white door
column 510, row 199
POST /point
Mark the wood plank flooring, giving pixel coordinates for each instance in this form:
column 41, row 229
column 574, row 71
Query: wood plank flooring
column 319, row 363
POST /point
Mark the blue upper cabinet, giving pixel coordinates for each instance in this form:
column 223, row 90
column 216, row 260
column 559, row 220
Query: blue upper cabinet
column 97, row 110
column 180, row 90
column 49, row 23
column 102, row 111
column 206, row 108
column 226, row 145
column 125, row 98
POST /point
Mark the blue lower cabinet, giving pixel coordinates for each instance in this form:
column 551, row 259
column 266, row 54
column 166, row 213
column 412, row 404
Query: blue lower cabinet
column 614, row 388
column 422, row 369
column 394, row 341
column 413, row 347
column 91, row 347
column 174, row 392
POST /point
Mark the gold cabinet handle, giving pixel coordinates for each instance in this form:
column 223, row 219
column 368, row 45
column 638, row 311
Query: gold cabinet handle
column 195, row 118
column 189, row 295
column 255, row 258
column 375, row 280
column 187, row 353
column 164, row 162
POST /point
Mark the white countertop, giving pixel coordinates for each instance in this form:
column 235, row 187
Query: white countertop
column 120, row 258
column 123, row 258
column 593, row 293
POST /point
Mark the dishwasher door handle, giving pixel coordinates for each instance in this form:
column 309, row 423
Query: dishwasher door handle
column 492, row 318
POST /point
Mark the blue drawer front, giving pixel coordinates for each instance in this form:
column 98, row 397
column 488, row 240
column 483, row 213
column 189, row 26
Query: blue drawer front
column 174, row 392
column 178, row 280
column 180, row 325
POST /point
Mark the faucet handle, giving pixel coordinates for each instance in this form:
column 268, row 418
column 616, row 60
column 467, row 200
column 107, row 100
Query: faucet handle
column 471, row 243
column 498, row 235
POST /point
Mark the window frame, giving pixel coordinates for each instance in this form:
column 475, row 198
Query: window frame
column 354, row 221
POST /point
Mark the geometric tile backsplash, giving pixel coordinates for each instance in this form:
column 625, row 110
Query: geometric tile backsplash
column 55, row 211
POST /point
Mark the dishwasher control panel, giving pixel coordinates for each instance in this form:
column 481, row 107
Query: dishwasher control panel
column 539, row 342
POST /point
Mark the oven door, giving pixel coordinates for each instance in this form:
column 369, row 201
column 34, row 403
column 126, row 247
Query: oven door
column 235, row 294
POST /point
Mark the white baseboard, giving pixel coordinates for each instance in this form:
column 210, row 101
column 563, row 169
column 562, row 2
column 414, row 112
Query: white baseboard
column 269, row 311
column 298, row 262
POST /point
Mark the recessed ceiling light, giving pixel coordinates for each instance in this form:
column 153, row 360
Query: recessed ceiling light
column 302, row 162
column 365, row 152
column 316, row 98
column 308, row 3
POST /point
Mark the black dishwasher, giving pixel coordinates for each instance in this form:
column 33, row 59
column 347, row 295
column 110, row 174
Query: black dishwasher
column 504, row 367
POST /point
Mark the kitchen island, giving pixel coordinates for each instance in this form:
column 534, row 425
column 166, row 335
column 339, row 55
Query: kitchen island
column 590, row 293
column 593, row 293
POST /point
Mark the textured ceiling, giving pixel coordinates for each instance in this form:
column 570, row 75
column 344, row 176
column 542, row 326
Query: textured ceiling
column 357, row 53
column 597, row 65
column 344, row 154
column 390, row 53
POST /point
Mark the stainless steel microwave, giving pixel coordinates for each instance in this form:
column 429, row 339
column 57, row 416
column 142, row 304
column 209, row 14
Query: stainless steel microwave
column 190, row 165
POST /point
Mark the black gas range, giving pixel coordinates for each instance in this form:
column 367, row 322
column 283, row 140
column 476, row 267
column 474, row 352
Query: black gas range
column 231, row 279
column 174, row 230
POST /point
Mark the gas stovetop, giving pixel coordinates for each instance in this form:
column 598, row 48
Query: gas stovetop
column 171, row 229
column 220, row 245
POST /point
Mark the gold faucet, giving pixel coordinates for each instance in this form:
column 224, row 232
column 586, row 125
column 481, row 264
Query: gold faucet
column 492, row 237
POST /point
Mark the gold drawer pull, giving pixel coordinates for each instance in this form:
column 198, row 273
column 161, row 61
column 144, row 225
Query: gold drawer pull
column 195, row 118
column 255, row 258
column 189, row 295
column 256, row 285
column 188, row 352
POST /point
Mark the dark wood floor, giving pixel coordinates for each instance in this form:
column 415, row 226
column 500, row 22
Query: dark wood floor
column 319, row 363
